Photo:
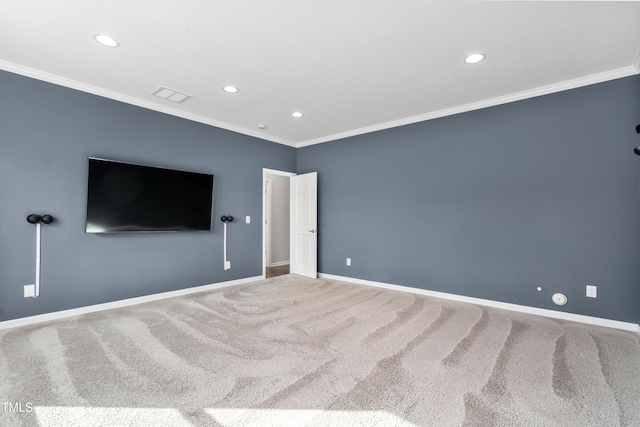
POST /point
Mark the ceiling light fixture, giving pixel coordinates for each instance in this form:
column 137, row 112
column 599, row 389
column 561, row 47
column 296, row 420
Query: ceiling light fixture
column 262, row 126
column 297, row 114
column 474, row 58
column 230, row 89
column 106, row 40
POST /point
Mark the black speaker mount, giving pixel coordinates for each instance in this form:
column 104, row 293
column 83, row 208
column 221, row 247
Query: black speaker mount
column 35, row 219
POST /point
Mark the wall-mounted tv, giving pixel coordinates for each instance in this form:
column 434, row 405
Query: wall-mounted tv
column 125, row 197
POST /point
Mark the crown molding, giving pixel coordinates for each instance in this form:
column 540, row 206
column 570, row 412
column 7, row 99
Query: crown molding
column 84, row 87
column 518, row 96
column 636, row 63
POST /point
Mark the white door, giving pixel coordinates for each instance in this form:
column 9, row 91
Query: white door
column 304, row 225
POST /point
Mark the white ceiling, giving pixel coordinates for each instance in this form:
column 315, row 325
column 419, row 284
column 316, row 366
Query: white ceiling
column 350, row 66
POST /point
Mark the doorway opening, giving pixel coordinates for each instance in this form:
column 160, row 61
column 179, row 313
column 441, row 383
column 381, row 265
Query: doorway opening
column 276, row 225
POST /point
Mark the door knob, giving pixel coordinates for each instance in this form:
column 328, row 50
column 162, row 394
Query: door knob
column 311, row 231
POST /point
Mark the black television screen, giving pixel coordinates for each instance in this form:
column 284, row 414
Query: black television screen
column 124, row 197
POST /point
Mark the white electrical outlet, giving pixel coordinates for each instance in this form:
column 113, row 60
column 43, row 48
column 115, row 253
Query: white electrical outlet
column 349, row 262
column 29, row 291
column 228, row 265
column 248, row 219
column 592, row 291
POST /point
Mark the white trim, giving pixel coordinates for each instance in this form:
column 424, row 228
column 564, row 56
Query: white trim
column 57, row 315
column 543, row 90
column 277, row 172
column 265, row 172
column 84, row 87
column 518, row 96
column 268, row 185
column 279, row 263
column 636, row 63
column 616, row 324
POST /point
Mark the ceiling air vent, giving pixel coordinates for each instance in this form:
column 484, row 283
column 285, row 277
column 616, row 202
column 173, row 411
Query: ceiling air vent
column 171, row 95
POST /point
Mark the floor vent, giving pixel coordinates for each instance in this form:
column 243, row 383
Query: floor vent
column 171, row 95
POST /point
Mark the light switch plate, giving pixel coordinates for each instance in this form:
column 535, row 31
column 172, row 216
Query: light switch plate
column 592, row 291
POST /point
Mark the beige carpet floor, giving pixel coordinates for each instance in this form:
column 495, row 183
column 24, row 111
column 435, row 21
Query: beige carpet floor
column 290, row 351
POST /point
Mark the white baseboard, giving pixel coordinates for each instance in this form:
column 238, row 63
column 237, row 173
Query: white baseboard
column 24, row 321
column 616, row 324
column 279, row 263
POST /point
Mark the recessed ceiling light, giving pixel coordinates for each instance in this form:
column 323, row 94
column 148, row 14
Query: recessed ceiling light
column 297, row 114
column 474, row 57
column 230, row 89
column 106, row 40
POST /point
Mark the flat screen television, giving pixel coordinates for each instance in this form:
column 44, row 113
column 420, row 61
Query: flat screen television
column 125, row 197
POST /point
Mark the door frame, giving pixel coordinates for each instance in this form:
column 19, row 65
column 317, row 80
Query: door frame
column 265, row 232
column 303, row 246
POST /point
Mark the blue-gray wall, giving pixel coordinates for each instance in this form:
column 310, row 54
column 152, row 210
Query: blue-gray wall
column 47, row 132
column 491, row 203
column 494, row 203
